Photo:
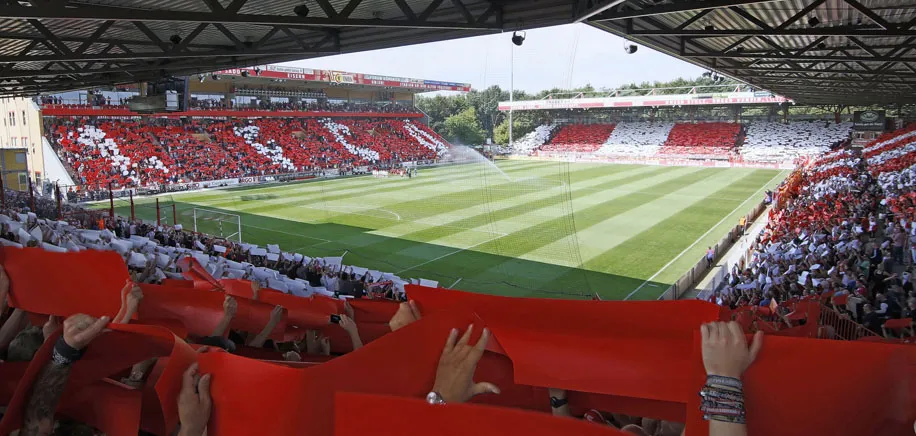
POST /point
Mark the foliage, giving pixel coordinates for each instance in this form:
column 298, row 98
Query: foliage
column 493, row 123
column 464, row 128
column 522, row 124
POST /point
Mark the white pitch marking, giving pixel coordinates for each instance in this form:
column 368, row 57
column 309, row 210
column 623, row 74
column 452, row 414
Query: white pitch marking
column 449, row 254
column 286, row 233
column 701, row 237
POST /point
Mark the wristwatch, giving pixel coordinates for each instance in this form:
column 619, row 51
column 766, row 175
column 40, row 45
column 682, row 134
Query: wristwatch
column 557, row 403
column 434, row 398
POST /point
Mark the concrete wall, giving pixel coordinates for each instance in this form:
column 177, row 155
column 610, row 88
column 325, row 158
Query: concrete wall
column 21, row 128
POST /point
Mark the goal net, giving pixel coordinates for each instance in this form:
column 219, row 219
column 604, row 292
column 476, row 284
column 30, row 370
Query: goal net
column 224, row 225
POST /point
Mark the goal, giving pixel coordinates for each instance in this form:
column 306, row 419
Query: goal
column 225, row 225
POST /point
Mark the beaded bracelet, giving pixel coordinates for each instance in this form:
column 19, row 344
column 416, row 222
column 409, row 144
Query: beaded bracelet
column 723, row 400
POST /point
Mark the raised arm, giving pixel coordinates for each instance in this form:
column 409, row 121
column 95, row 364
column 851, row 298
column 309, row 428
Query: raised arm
column 79, row 331
column 350, row 327
column 230, row 307
column 726, row 356
column 276, row 316
column 4, row 291
column 131, row 303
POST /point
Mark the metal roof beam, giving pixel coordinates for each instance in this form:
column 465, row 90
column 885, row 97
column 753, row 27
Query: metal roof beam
column 674, row 7
column 64, row 38
column 102, row 13
column 805, row 58
column 877, row 19
column 584, row 12
column 810, row 71
column 817, row 31
column 807, row 9
column 167, row 55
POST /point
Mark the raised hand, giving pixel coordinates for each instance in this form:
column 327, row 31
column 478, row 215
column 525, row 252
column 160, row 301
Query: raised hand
column 455, row 375
column 348, row 309
column 134, row 297
column 348, row 325
column 4, row 286
column 51, row 326
column 276, row 314
column 230, row 306
column 406, row 314
column 194, row 402
column 81, row 329
column 725, row 350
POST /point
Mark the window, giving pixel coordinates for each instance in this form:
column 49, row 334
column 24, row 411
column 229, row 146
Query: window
column 23, row 118
column 20, row 158
column 25, row 143
column 23, row 179
column 12, row 119
column 13, row 142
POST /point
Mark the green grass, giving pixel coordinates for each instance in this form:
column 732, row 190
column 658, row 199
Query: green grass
column 528, row 228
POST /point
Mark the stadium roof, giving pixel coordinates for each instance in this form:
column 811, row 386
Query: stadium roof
column 857, row 50
column 813, row 51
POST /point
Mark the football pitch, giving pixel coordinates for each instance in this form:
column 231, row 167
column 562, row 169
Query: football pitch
column 519, row 227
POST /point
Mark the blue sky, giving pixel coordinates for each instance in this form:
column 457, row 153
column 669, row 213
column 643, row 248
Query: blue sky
column 561, row 56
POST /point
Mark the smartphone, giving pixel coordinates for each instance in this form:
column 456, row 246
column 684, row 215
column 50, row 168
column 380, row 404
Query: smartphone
column 335, row 319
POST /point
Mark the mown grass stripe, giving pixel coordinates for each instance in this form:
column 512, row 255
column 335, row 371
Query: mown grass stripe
column 330, row 193
column 521, row 242
column 644, row 253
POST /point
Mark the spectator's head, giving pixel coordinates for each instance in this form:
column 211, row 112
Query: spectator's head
column 868, row 308
column 24, row 346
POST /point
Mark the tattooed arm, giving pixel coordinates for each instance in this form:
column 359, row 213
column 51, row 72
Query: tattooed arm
column 79, row 331
column 39, row 413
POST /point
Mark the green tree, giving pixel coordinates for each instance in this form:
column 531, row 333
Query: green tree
column 464, row 128
column 440, row 107
column 522, row 124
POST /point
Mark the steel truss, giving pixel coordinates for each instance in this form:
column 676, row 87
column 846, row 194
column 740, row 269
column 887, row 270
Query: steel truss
column 821, row 52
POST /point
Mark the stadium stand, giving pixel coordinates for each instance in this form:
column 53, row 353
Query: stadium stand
column 708, row 139
column 768, row 141
column 251, row 329
column 838, row 247
column 642, row 139
column 582, row 138
column 145, row 153
column 533, row 140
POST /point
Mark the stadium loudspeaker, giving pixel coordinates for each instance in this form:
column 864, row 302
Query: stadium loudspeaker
column 301, row 10
column 630, row 48
column 517, row 38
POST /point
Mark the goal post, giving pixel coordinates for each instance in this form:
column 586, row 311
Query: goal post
column 225, row 225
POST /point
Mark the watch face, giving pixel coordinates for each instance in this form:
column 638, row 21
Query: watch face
column 433, row 398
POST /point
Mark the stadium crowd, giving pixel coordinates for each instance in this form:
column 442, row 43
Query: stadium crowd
column 128, row 153
column 762, row 141
column 768, row 141
column 843, row 233
column 162, row 257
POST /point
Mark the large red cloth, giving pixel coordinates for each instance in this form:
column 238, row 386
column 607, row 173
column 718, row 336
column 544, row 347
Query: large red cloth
column 63, row 284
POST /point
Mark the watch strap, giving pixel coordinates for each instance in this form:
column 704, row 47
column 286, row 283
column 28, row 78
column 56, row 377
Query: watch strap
column 558, row 402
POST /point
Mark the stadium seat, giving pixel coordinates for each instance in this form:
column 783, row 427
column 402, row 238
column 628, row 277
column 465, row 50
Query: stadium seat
column 580, row 138
column 701, row 139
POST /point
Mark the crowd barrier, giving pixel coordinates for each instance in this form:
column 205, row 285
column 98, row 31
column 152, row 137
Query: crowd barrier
column 693, row 276
column 695, row 162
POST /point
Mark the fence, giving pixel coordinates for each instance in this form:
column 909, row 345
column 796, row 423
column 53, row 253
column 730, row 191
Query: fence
column 689, row 280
